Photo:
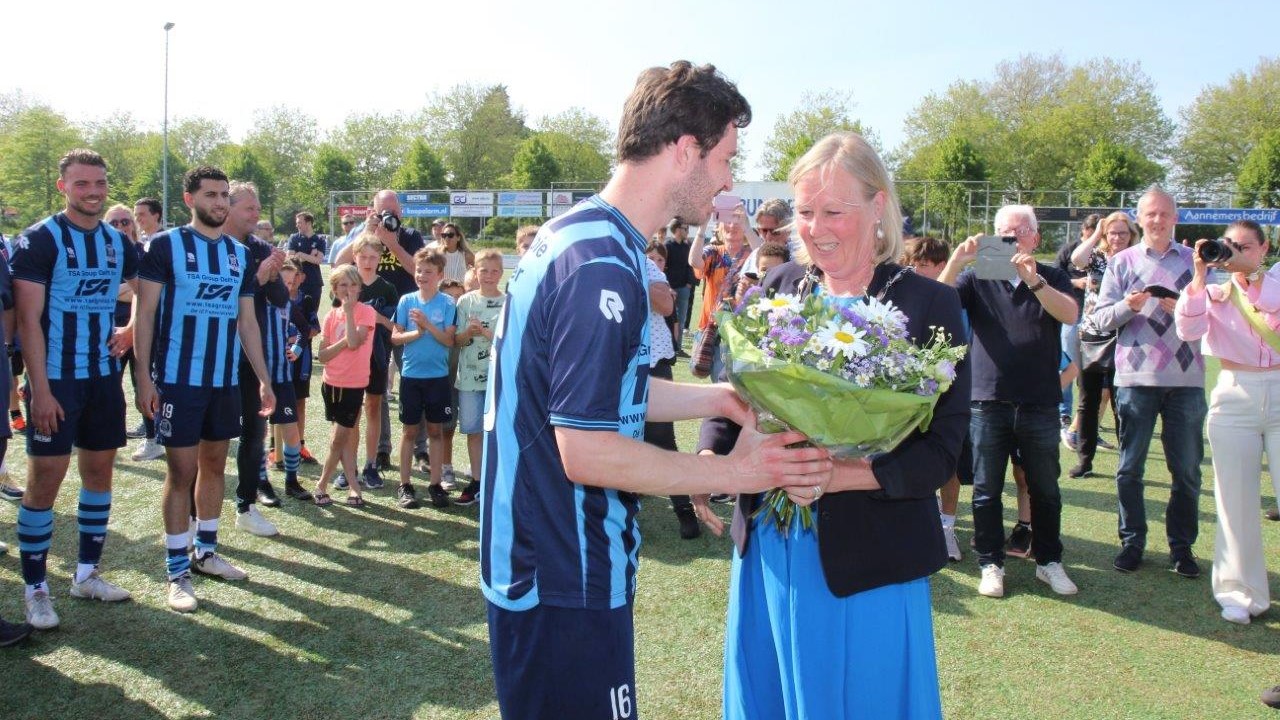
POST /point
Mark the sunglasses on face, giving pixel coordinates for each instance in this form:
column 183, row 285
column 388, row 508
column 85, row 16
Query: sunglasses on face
column 348, row 223
column 120, row 222
column 448, row 235
column 771, row 232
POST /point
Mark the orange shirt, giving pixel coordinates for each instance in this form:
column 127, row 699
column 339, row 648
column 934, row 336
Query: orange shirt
column 349, row 368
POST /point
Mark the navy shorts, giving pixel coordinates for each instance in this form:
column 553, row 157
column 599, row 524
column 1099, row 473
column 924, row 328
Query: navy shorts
column 552, row 662
column 342, row 405
column 431, row 398
column 377, row 378
column 93, row 417
column 302, row 389
column 286, row 404
column 191, row 414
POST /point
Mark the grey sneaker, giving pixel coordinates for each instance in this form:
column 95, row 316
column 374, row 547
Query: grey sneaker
column 95, row 587
column 139, row 431
column 953, row 544
column 1056, row 575
column 182, row 597
column 148, row 450
column 213, row 564
column 252, row 522
column 40, row 614
column 448, row 480
column 10, row 492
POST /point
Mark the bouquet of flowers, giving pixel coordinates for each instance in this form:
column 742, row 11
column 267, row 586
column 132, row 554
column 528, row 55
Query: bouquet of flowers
column 845, row 374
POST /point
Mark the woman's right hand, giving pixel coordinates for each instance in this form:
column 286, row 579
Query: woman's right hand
column 1199, row 269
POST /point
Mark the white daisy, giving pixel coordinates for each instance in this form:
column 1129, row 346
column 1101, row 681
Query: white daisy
column 779, row 303
column 881, row 313
column 842, row 337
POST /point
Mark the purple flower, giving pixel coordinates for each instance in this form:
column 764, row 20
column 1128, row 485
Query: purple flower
column 946, row 369
column 792, row 337
column 748, row 298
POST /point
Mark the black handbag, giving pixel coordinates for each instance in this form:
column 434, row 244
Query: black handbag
column 1097, row 351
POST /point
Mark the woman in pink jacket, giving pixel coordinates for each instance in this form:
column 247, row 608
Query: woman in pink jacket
column 1237, row 322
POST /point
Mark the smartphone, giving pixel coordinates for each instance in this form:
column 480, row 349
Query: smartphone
column 994, row 255
column 1160, row 291
column 724, row 205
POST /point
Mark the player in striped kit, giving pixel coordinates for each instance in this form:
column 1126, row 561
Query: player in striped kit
column 195, row 309
column 67, row 269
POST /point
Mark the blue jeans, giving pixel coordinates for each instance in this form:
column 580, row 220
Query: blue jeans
column 1182, row 411
column 1070, row 346
column 683, row 296
column 996, row 430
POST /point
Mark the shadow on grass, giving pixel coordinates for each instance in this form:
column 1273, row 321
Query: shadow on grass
column 301, row 638
column 1153, row 596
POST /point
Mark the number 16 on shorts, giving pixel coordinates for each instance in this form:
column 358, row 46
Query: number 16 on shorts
column 620, row 701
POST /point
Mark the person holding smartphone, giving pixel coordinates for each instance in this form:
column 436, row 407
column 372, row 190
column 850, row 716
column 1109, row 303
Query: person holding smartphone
column 1235, row 322
column 720, row 266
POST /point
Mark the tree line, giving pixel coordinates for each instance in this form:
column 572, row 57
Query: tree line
column 1037, row 124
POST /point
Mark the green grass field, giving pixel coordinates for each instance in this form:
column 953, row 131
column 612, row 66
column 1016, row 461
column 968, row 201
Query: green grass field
column 376, row 613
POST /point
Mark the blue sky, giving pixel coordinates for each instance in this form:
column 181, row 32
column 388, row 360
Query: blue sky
column 89, row 59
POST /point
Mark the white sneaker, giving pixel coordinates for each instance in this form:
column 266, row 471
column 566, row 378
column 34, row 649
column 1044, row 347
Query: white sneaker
column 448, row 480
column 992, row 583
column 213, row 564
column 149, row 449
column 1056, row 575
column 40, row 614
column 1235, row 614
column 182, row 597
column 252, row 522
column 953, row 544
column 95, row 587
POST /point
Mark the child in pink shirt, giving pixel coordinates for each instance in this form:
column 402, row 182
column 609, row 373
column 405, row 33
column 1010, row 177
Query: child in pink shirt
column 346, row 345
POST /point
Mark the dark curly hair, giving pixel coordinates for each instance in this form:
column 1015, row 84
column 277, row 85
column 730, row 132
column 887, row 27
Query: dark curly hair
column 668, row 103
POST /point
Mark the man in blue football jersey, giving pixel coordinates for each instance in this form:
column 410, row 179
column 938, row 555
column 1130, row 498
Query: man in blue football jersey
column 67, row 269
column 568, row 397
column 194, row 310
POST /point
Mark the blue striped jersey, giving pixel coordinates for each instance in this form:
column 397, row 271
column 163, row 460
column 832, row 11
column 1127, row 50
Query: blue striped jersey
column 81, row 271
column 275, row 342
column 203, row 279
column 268, row 300
column 571, row 350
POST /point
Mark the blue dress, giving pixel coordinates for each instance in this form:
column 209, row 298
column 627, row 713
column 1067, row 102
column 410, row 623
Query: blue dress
column 794, row 650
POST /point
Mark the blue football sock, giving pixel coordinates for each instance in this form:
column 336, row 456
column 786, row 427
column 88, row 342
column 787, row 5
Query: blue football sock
column 292, row 458
column 94, row 510
column 35, row 531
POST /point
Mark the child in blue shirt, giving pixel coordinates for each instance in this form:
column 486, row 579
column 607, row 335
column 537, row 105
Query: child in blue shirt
column 428, row 317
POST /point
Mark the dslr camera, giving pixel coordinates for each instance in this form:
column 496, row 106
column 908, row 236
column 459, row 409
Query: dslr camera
column 388, row 220
column 1216, row 251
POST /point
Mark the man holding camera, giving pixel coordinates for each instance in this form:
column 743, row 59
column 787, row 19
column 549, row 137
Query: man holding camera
column 399, row 243
column 1156, row 373
column 1017, row 316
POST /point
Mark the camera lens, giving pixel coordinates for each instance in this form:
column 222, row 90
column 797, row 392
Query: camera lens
column 1215, row 251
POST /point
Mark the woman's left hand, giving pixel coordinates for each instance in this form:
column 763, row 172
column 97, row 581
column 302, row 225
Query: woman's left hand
column 805, row 495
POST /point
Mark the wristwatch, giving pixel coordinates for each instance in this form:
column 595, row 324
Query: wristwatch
column 1038, row 286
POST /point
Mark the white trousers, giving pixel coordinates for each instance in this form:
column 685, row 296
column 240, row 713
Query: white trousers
column 1244, row 420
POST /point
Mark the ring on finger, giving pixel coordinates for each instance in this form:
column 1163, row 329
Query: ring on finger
column 817, row 491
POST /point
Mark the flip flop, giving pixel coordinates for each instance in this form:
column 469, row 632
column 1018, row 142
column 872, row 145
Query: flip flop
column 355, row 501
column 322, row 499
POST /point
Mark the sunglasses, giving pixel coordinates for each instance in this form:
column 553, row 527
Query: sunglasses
column 771, row 232
column 120, row 222
column 348, row 223
column 448, row 235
